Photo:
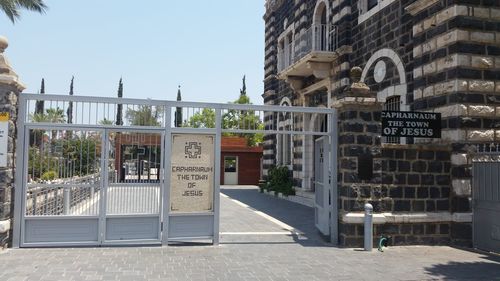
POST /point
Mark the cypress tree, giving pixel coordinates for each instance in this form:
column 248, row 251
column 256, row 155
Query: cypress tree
column 39, row 106
column 69, row 112
column 243, row 91
column 178, row 110
column 119, row 111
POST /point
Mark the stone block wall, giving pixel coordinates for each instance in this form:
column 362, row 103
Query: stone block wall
column 398, row 234
column 410, row 187
column 457, row 73
column 391, row 29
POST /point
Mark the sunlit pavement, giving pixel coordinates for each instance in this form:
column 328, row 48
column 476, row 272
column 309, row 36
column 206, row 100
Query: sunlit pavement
column 262, row 238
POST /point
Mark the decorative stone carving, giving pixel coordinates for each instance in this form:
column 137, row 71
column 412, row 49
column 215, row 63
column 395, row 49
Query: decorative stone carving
column 357, row 87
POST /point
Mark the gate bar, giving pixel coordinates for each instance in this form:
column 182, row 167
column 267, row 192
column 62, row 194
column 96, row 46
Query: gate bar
column 167, row 167
column 19, row 174
column 216, row 200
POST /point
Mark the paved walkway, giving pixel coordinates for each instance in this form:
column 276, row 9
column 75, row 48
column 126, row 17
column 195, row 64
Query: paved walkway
column 263, row 238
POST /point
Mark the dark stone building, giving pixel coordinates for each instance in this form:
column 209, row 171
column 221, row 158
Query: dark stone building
column 415, row 55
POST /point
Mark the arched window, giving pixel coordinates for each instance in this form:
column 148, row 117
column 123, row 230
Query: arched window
column 321, row 27
column 285, row 146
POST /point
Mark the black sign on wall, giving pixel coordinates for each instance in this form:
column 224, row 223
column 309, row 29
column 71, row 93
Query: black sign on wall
column 411, row 124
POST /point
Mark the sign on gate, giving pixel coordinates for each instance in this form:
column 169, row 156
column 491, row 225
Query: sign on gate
column 192, row 175
column 4, row 136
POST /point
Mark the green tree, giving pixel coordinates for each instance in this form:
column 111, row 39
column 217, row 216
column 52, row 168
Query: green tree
column 244, row 119
column 79, row 156
column 202, row 119
column 145, row 115
column 232, row 119
column 11, row 7
column 40, row 163
column 51, row 115
column 106, row 122
column 55, row 115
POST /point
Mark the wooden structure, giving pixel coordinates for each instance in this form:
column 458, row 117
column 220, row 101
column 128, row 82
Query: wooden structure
column 241, row 164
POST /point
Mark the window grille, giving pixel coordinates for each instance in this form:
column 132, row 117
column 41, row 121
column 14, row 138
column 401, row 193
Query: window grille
column 392, row 104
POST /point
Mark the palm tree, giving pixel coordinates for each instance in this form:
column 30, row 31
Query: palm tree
column 51, row 115
column 11, row 7
column 55, row 115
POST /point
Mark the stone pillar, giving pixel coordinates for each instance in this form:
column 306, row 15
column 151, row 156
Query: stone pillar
column 359, row 151
column 10, row 87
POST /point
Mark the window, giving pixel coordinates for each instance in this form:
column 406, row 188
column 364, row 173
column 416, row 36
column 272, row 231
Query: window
column 285, row 147
column 371, row 4
column 285, row 51
column 230, row 163
column 368, row 8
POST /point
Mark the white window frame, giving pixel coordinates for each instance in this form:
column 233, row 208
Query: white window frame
column 288, row 33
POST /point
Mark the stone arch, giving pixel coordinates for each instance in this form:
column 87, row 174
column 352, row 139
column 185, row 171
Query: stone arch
column 321, row 5
column 393, row 90
column 390, row 54
column 285, row 100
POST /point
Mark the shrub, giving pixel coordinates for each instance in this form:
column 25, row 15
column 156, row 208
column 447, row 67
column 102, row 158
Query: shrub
column 49, row 175
column 280, row 180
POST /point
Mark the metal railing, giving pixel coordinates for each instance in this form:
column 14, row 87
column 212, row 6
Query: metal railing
column 77, row 196
column 95, row 113
column 318, row 38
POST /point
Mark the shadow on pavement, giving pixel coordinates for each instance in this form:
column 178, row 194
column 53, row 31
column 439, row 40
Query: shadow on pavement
column 298, row 216
column 465, row 271
column 478, row 270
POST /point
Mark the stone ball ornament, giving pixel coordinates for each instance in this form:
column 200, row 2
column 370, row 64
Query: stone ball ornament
column 4, row 43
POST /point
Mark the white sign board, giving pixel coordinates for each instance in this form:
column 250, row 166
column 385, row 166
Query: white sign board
column 4, row 138
column 192, row 174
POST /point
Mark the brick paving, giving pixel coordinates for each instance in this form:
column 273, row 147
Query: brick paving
column 253, row 248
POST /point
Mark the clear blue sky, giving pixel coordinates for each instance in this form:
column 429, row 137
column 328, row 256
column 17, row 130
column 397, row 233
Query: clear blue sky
column 206, row 46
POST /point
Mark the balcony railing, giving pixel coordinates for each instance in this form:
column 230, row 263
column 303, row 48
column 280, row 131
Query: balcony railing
column 318, row 38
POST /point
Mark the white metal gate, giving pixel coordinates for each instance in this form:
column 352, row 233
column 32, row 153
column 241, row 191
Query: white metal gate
column 486, row 202
column 102, row 171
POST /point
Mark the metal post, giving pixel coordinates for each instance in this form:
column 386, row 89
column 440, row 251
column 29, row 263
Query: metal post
column 218, row 136
column 368, row 227
column 66, row 196
column 166, row 162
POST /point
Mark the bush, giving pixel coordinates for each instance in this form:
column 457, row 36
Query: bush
column 280, row 180
column 262, row 186
column 49, row 175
